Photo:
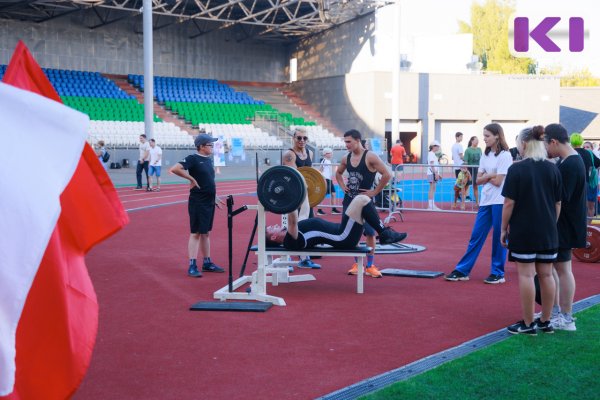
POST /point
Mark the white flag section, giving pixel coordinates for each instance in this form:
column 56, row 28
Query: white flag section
column 41, row 141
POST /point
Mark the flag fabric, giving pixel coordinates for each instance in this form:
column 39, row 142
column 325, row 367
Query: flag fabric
column 57, row 202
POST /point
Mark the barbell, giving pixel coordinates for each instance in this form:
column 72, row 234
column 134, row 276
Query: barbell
column 282, row 189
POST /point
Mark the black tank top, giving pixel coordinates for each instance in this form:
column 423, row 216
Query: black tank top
column 359, row 177
column 307, row 162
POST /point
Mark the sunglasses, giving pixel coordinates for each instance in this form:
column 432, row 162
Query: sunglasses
column 300, row 138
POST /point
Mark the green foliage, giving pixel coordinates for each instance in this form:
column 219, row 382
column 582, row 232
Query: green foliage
column 580, row 78
column 489, row 26
column 563, row 365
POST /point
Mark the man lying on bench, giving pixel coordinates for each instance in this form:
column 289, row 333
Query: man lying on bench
column 345, row 235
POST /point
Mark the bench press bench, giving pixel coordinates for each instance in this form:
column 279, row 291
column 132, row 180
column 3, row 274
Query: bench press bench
column 275, row 270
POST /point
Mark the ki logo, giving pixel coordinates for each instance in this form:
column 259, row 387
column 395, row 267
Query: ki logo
column 539, row 34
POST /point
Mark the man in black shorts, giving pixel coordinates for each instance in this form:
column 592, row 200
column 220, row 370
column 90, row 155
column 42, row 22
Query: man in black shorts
column 572, row 221
column 198, row 168
column 345, row 235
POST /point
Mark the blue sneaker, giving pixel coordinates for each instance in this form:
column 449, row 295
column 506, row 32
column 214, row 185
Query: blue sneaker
column 193, row 272
column 308, row 264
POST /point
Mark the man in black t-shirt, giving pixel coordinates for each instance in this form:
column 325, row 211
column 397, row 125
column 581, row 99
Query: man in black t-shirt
column 346, row 235
column 572, row 222
column 199, row 170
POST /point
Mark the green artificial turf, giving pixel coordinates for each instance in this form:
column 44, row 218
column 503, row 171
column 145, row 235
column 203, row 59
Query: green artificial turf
column 563, row 365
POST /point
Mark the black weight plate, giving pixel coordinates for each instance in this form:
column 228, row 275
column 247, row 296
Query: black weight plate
column 281, row 189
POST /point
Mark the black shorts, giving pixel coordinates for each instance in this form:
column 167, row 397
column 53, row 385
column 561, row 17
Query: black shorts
column 368, row 229
column 201, row 214
column 328, row 186
column 543, row 256
column 564, row 255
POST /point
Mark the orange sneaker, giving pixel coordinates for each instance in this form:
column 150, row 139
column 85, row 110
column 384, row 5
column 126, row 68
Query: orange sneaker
column 372, row 271
column 353, row 270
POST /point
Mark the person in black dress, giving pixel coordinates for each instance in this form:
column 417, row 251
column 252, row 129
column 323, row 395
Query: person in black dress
column 532, row 198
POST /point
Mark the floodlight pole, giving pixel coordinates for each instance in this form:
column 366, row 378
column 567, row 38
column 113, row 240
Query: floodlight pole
column 148, row 71
column 396, row 75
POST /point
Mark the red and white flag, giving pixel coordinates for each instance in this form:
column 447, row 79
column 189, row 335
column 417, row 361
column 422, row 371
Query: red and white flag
column 56, row 202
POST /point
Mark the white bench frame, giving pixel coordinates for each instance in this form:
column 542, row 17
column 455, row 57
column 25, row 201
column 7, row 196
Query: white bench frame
column 273, row 268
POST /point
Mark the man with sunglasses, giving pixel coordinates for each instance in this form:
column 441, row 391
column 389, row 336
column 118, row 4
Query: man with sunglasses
column 296, row 157
column 198, row 168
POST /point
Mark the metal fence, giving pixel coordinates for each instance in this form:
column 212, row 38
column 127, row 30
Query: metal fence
column 409, row 190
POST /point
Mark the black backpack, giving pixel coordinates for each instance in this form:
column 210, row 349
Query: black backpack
column 106, row 156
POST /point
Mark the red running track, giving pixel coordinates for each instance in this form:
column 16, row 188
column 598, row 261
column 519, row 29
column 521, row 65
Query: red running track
column 151, row 347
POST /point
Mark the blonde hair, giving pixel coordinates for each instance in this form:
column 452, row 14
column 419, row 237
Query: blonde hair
column 534, row 137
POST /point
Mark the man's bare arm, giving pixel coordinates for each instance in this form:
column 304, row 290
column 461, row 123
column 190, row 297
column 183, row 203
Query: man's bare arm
column 289, row 159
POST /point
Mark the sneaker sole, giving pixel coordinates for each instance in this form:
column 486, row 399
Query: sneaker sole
column 466, row 278
column 374, row 276
column 565, row 328
column 528, row 333
column 495, row 282
column 352, row 273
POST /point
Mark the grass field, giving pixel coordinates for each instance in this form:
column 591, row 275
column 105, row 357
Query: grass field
column 563, row 365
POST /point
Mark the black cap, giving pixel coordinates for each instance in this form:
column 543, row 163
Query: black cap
column 203, row 139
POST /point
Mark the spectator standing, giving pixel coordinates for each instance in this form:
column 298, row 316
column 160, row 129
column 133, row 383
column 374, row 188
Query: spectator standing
column 457, row 153
column 100, row 152
column 296, row 157
column 155, row 165
column 572, row 222
column 532, row 193
column 143, row 161
column 493, row 167
column 592, row 163
column 472, row 157
column 433, row 174
column 397, row 153
column 327, row 170
column 198, row 168
column 362, row 166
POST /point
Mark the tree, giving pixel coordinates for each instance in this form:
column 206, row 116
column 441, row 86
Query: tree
column 489, row 27
column 579, row 78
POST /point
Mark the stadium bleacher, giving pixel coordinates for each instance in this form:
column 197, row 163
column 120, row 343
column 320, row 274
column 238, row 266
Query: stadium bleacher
column 117, row 117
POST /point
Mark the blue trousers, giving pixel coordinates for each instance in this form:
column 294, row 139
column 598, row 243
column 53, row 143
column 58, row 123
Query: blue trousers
column 487, row 217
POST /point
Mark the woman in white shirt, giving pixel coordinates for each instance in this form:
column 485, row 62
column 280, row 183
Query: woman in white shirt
column 493, row 167
column 433, row 173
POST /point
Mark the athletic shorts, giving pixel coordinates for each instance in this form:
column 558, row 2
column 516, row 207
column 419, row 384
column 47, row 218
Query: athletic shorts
column 431, row 178
column 154, row 170
column 564, row 255
column 328, row 186
column 592, row 194
column 201, row 215
column 398, row 167
column 544, row 256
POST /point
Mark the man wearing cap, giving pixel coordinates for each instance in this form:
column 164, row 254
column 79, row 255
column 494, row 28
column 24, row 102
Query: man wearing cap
column 198, row 168
column 327, row 172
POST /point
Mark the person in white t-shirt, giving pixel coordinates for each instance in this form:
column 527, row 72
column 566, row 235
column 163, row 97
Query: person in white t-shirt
column 328, row 171
column 457, row 153
column 433, row 173
column 493, row 168
column 155, row 165
column 143, row 161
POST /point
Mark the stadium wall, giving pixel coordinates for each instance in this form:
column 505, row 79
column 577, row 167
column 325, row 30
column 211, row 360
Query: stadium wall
column 68, row 43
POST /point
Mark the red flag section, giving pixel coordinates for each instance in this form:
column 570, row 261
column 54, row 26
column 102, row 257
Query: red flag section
column 57, row 329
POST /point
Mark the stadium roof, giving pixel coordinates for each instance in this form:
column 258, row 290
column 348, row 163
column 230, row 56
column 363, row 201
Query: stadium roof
column 268, row 20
